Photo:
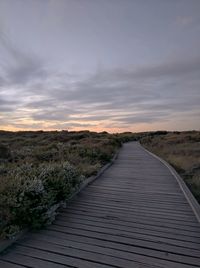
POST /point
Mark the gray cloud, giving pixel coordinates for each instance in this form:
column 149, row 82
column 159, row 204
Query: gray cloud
column 123, row 96
column 20, row 67
column 117, row 96
column 161, row 85
column 51, row 115
column 70, row 125
column 7, row 106
column 168, row 69
column 148, row 117
column 117, row 88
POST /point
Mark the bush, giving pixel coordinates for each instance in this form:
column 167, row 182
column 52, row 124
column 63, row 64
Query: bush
column 181, row 150
column 29, row 196
column 4, row 152
column 39, row 170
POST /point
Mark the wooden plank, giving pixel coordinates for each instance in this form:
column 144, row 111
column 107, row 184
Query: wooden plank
column 143, row 220
column 181, row 239
column 131, row 239
column 77, row 258
column 100, row 247
column 132, row 198
column 188, row 195
column 153, row 196
column 177, row 232
column 6, row 264
column 156, row 208
column 138, row 211
column 141, row 248
column 21, row 260
column 138, row 233
column 169, row 207
column 135, row 215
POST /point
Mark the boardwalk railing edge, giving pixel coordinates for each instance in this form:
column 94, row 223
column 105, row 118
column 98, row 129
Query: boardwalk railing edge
column 91, row 179
column 5, row 243
column 186, row 191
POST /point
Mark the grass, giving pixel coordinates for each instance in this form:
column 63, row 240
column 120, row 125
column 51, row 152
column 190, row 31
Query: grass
column 40, row 170
column 182, row 151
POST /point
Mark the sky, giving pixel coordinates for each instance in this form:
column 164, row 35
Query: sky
column 102, row 65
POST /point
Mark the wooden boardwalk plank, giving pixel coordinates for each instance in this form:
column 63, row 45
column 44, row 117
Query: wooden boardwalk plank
column 134, row 215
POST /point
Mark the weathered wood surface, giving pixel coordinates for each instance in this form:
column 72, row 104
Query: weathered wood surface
column 134, row 215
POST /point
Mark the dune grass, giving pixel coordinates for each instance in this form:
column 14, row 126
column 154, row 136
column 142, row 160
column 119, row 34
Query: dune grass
column 39, row 170
column 182, row 151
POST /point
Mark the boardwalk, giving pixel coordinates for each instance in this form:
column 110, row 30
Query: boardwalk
column 134, row 215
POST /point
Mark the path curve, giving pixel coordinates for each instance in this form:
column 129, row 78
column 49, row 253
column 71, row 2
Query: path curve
column 134, row 215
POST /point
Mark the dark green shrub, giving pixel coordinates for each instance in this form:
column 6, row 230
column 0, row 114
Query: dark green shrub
column 4, row 152
column 60, row 180
column 39, row 169
column 29, row 196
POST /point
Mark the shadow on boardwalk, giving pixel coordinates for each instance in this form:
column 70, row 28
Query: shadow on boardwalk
column 134, row 215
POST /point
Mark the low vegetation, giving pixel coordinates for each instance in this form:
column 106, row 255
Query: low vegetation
column 40, row 170
column 182, row 151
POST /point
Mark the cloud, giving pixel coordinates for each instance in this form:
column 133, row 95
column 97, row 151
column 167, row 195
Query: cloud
column 51, row 115
column 122, row 97
column 19, row 67
column 142, row 117
column 185, row 20
column 7, row 106
column 70, row 125
column 176, row 68
column 159, row 87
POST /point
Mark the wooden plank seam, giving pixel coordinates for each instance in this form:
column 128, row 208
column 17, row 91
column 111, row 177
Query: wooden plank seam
column 186, row 191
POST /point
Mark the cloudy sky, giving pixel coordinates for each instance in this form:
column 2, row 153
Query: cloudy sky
column 113, row 65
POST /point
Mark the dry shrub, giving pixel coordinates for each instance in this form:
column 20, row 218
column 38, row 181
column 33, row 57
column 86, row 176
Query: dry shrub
column 181, row 150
